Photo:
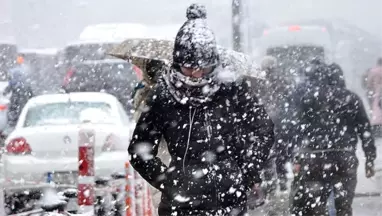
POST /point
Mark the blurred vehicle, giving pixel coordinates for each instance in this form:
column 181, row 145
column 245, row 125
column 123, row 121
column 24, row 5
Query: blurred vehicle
column 114, row 76
column 97, row 39
column 79, row 51
column 295, row 46
column 123, row 31
column 8, row 53
column 353, row 48
column 44, row 74
column 112, row 31
column 45, row 140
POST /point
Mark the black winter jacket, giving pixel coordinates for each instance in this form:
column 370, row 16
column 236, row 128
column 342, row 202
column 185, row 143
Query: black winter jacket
column 333, row 118
column 217, row 149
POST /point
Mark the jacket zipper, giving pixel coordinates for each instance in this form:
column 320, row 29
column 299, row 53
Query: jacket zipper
column 209, row 138
column 191, row 118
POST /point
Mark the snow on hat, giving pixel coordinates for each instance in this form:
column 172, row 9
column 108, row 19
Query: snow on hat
column 195, row 43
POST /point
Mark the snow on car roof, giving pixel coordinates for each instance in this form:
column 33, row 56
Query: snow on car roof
column 112, row 31
column 163, row 32
column 76, row 96
column 106, row 61
column 118, row 32
column 46, row 51
column 99, row 41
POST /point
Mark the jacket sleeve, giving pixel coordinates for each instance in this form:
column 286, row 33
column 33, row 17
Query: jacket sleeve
column 144, row 145
column 364, row 131
column 255, row 133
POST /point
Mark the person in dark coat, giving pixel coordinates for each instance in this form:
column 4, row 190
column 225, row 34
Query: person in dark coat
column 332, row 120
column 217, row 134
column 20, row 91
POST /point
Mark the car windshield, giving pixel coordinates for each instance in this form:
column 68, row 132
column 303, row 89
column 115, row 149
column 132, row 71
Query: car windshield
column 69, row 113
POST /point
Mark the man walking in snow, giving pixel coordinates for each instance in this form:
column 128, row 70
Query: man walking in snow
column 217, row 134
column 332, row 120
column 21, row 92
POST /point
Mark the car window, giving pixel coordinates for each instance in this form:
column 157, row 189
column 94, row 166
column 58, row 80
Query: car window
column 69, row 113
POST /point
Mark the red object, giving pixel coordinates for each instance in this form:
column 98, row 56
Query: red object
column 85, row 194
column 294, row 28
column 19, row 146
column 139, row 72
column 139, row 194
column 86, row 143
column 129, row 210
column 68, row 75
column 109, row 143
column 129, row 190
column 3, row 107
column 86, row 161
column 148, row 210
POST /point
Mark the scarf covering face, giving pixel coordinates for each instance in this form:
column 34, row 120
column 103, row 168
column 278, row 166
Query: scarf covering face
column 193, row 91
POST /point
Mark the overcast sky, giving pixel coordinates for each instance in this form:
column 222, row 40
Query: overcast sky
column 52, row 23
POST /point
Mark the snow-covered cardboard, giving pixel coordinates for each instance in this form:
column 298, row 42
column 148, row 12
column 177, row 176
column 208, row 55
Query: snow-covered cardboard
column 45, row 51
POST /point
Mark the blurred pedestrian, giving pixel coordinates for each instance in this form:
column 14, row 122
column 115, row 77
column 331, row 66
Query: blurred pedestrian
column 20, row 91
column 332, row 120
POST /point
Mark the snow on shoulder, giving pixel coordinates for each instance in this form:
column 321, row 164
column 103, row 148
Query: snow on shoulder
column 235, row 65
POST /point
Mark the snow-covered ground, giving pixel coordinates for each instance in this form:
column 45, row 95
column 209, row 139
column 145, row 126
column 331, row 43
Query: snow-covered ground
column 365, row 206
column 362, row 206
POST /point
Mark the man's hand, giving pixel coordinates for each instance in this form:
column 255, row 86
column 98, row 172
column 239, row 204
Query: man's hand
column 370, row 171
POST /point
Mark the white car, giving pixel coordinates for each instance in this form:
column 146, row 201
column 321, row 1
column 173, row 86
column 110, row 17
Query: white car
column 44, row 143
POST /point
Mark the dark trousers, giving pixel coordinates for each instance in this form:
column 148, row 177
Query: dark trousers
column 283, row 143
column 320, row 174
column 234, row 212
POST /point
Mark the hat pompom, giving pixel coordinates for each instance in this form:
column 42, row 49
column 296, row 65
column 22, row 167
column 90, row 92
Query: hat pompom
column 196, row 11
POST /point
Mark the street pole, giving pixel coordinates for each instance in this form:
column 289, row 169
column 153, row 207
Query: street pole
column 236, row 23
